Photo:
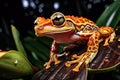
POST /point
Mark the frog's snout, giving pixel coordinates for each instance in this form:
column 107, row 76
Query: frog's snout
column 38, row 30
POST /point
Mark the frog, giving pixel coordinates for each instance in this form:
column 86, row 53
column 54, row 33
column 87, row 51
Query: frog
column 69, row 29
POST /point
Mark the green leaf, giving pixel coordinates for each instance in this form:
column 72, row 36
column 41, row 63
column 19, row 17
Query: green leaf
column 111, row 15
column 44, row 40
column 18, row 43
column 13, row 64
column 116, row 18
column 37, row 48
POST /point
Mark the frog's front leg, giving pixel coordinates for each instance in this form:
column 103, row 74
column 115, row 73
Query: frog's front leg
column 53, row 55
column 88, row 56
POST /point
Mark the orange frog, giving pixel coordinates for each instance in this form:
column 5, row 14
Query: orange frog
column 73, row 30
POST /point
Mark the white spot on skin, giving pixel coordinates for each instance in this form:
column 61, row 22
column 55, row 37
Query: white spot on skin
column 83, row 34
column 75, row 37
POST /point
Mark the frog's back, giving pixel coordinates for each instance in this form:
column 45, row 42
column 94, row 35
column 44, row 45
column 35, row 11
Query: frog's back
column 81, row 22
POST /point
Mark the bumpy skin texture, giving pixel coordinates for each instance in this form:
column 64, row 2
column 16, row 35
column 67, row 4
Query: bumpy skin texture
column 73, row 30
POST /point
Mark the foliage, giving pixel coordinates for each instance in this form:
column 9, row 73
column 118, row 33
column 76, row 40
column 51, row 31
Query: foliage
column 111, row 15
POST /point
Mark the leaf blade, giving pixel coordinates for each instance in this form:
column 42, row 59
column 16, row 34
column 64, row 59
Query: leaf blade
column 106, row 15
column 18, row 43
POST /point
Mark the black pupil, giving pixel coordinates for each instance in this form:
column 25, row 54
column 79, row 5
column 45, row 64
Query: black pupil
column 58, row 20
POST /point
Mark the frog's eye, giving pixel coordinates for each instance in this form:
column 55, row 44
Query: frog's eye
column 58, row 19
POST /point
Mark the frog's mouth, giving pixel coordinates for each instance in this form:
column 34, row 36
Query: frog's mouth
column 52, row 32
column 58, row 32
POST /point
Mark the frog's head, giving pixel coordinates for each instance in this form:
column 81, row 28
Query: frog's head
column 57, row 24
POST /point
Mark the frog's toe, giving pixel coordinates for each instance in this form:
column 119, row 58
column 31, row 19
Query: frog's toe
column 67, row 64
column 75, row 56
column 47, row 65
column 55, row 59
column 57, row 62
column 106, row 44
column 111, row 41
column 76, row 69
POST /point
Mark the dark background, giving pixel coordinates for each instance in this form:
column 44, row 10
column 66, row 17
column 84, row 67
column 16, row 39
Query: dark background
column 22, row 13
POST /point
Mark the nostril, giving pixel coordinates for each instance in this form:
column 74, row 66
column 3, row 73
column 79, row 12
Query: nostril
column 40, row 28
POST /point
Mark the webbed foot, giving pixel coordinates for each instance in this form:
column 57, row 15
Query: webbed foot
column 84, row 58
column 109, row 39
column 76, row 59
